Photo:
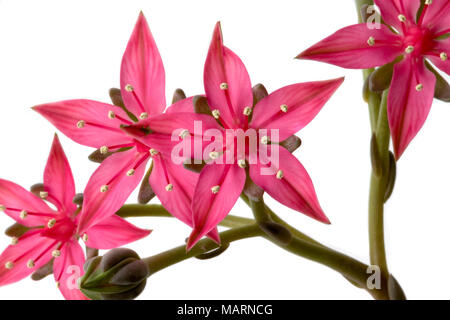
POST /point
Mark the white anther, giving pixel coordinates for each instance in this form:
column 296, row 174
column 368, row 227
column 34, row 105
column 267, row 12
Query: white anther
column 43, row 194
column 104, row 188
column 9, row 265
column 402, row 17
column 143, row 115
column 215, row 189
column 224, row 86
column 409, row 49
column 84, row 237
column 51, row 223
column 56, row 253
column 129, row 88
column 284, row 108
column 81, row 124
column 2, row 208
column 241, row 163
column 183, row 134
column 130, row 172
column 443, row 56
column 419, row 87
column 104, row 150
column 428, row 2
column 280, row 174
column 169, row 187
column 111, row 114
column 247, row 111
column 214, row 155
column 23, row 214
column 14, row 241
column 265, row 140
column 371, row 41
column 30, row 264
column 216, row 114
column 153, row 152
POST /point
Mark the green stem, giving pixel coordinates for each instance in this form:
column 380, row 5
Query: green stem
column 156, row 210
column 178, row 254
column 377, row 193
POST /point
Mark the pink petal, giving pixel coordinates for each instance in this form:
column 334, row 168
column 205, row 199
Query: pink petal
column 113, row 173
column 437, row 16
column 68, row 268
column 31, row 246
column 440, row 47
column 98, row 129
column 15, row 199
column 295, row 189
column 303, row 102
column 391, row 9
column 210, row 209
column 58, row 179
column 349, row 47
column 408, row 108
column 222, row 66
column 185, row 105
column 142, row 68
column 177, row 201
column 113, row 232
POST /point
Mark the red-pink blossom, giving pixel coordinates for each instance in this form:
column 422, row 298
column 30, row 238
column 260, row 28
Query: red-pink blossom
column 412, row 35
column 55, row 232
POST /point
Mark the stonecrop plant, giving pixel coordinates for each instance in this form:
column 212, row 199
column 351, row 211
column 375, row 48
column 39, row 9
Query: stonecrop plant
column 207, row 151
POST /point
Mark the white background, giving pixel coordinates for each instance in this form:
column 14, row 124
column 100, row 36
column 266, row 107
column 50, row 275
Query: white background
column 56, row 50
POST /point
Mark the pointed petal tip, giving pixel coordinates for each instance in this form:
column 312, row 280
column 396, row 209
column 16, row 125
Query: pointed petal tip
column 193, row 239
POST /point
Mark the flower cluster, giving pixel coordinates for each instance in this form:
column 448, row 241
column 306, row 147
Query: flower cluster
column 205, row 151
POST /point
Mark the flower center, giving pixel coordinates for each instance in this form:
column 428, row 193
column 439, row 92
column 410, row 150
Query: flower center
column 63, row 229
column 417, row 41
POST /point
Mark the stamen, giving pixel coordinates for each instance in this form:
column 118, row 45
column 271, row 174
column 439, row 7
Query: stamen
column 215, row 189
column 402, row 18
column 23, row 214
column 2, row 208
column 284, row 108
column 224, row 86
column 14, row 241
column 241, row 163
column 216, row 114
column 184, row 134
column 111, row 114
column 371, row 41
column 129, row 88
column 280, row 174
column 131, row 172
column 30, row 264
column 43, row 194
column 51, row 223
column 169, row 187
column 104, row 188
column 214, row 155
column 247, row 111
column 419, row 87
column 57, row 284
column 153, row 152
column 265, row 140
column 84, row 237
column 143, row 116
column 428, row 2
column 56, row 253
column 81, row 124
column 409, row 49
column 9, row 265
column 443, row 56
column 104, row 150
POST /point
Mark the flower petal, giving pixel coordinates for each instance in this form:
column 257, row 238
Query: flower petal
column 289, row 183
column 181, row 184
column 31, row 246
column 436, row 17
column 441, row 46
column 408, row 108
column 68, row 268
column 58, row 179
column 143, row 70
column 86, row 121
column 211, row 206
column 227, row 83
column 110, row 186
column 350, row 48
column 303, row 101
column 391, row 9
column 113, row 232
column 15, row 199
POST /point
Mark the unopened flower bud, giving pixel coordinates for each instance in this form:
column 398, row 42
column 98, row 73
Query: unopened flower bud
column 292, row 143
column 178, row 95
column 146, row 192
column 37, row 188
